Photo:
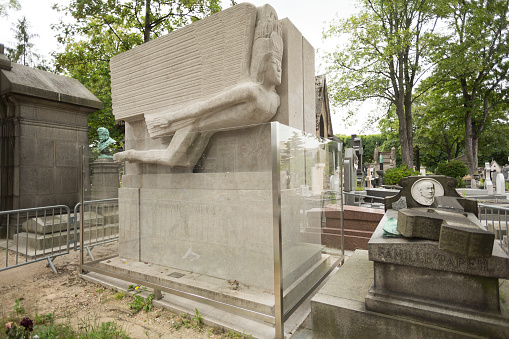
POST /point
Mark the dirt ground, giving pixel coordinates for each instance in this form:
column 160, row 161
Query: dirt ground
column 78, row 302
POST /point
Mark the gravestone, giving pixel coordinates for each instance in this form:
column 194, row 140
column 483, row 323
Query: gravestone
column 439, row 278
column 44, row 121
column 457, row 252
column 350, row 175
column 488, row 184
column 197, row 192
column 500, row 183
column 356, row 144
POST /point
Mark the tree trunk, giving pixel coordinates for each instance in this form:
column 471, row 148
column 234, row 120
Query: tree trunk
column 417, row 159
column 469, row 149
column 475, row 146
column 146, row 31
column 405, row 130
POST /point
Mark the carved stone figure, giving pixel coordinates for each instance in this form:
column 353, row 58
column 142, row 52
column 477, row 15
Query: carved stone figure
column 104, row 143
column 249, row 102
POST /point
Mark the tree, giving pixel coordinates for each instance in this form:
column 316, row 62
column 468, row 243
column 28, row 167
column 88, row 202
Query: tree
column 390, row 42
column 8, row 4
column 105, row 28
column 476, row 64
column 23, row 52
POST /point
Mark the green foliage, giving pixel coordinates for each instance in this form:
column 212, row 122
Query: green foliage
column 393, row 175
column 17, row 308
column 43, row 327
column 8, row 4
column 183, row 320
column 24, row 52
column 140, row 303
column 198, row 319
column 103, row 29
column 454, row 169
column 387, row 53
column 120, row 295
column 473, row 67
column 186, row 320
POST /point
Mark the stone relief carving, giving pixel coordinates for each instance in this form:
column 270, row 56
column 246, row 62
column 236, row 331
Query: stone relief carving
column 424, row 191
column 249, row 102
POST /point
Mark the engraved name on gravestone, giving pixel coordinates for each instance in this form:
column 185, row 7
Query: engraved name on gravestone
column 210, row 88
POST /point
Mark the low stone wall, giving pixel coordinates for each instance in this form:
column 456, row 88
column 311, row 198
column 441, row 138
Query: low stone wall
column 359, row 224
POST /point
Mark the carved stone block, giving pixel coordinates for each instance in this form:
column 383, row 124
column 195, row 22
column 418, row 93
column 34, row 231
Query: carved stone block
column 447, row 203
column 419, row 224
column 472, row 242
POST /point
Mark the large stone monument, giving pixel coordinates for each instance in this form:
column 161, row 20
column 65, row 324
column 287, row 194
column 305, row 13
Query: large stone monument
column 197, row 196
column 437, row 275
column 44, row 121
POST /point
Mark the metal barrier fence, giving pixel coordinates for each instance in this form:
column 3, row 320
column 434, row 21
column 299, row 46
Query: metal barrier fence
column 494, row 219
column 100, row 223
column 358, row 199
column 37, row 234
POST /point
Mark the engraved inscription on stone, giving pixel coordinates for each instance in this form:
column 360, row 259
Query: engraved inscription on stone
column 438, row 260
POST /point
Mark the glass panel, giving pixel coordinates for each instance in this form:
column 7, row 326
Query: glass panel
column 196, row 215
column 309, row 181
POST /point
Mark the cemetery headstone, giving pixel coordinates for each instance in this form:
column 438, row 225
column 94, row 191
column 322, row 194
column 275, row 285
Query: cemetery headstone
column 500, row 182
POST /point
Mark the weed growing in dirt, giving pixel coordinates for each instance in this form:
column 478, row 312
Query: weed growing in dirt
column 43, row 327
column 183, row 320
column 186, row 320
column 17, row 308
column 120, row 295
column 231, row 334
column 235, row 334
column 197, row 319
column 140, row 303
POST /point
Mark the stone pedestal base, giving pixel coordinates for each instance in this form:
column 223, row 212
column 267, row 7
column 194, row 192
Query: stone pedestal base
column 340, row 310
column 105, row 180
column 216, row 224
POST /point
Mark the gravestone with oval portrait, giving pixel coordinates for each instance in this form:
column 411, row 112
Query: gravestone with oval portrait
column 421, row 191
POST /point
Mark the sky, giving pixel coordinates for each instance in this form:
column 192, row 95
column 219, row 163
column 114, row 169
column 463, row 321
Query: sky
column 310, row 17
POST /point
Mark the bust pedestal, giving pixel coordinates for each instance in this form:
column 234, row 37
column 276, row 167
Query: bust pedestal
column 105, row 179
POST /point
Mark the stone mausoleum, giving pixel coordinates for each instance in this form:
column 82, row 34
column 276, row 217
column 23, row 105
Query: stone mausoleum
column 43, row 121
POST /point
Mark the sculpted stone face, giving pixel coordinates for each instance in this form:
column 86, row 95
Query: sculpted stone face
column 428, row 190
column 273, row 72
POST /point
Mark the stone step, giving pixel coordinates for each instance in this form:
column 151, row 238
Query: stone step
column 248, row 297
column 42, row 242
column 56, row 223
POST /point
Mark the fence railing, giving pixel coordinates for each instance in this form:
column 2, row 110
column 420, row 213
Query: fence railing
column 100, row 224
column 495, row 219
column 35, row 234
column 358, row 199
